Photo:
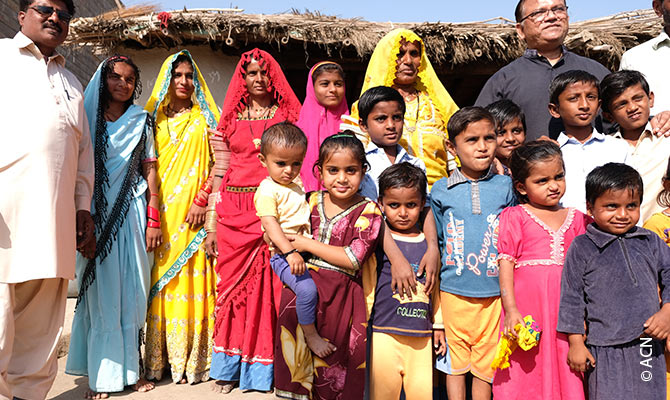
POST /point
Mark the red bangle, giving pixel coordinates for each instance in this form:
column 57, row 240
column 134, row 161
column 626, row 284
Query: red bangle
column 153, row 224
column 154, row 194
column 207, row 186
column 199, row 201
column 152, row 213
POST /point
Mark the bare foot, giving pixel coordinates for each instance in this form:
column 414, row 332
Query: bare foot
column 182, row 381
column 95, row 395
column 143, row 385
column 223, row 387
column 318, row 345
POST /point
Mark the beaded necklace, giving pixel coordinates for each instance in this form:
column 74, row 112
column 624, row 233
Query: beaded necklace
column 257, row 140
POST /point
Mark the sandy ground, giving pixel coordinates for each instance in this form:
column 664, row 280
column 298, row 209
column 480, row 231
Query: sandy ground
column 67, row 387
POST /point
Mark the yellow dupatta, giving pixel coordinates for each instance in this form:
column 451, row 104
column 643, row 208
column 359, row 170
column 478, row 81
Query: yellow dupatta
column 435, row 105
column 181, row 311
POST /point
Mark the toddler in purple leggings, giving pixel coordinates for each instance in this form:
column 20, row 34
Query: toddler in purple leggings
column 280, row 204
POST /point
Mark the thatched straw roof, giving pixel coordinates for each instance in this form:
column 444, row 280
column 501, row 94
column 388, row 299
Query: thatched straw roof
column 449, row 44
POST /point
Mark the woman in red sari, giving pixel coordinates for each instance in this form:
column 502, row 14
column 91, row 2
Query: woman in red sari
column 247, row 291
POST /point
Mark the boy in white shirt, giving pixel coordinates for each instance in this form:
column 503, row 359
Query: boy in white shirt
column 575, row 99
column 628, row 101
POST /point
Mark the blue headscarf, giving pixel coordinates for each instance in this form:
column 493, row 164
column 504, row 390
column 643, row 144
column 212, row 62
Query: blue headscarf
column 119, row 148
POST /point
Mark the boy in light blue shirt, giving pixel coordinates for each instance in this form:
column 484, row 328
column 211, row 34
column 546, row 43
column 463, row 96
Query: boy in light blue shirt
column 466, row 207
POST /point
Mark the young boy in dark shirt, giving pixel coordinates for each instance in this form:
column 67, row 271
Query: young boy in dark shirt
column 611, row 281
column 402, row 328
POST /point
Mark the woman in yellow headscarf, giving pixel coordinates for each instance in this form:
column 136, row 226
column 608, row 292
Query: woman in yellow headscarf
column 180, row 320
column 400, row 61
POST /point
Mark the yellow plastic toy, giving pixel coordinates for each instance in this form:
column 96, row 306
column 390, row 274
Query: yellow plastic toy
column 527, row 337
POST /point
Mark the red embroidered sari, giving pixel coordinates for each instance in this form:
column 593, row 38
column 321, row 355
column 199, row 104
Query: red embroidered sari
column 247, row 290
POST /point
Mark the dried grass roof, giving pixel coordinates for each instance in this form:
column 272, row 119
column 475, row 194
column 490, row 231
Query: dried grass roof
column 449, row 44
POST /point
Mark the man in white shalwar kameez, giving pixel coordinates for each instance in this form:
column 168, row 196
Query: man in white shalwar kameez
column 46, row 183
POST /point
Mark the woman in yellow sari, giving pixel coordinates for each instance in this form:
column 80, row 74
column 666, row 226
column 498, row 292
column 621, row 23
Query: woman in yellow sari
column 400, row 61
column 180, row 319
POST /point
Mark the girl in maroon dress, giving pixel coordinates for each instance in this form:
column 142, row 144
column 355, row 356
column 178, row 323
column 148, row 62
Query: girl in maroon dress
column 345, row 228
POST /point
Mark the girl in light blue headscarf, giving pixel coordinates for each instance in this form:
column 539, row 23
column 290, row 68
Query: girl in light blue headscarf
column 108, row 325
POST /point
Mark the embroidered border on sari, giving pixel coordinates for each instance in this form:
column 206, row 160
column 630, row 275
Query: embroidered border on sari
column 327, row 224
column 179, row 263
column 322, row 264
column 290, row 395
column 243, row 358
column 325, row 232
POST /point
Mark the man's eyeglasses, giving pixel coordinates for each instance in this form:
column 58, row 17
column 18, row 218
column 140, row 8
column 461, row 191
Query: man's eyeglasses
column 47, row 11
column 541, row 15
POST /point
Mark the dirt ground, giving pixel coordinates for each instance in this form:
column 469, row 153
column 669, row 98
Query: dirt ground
column 68, row 387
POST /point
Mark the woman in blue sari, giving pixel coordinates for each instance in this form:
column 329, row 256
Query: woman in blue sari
column 111, row 309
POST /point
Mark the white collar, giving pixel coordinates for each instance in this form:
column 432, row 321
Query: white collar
column 564, row 139
column 24, row 42
column 660, row 40
column 373, row 148
column 647, row 131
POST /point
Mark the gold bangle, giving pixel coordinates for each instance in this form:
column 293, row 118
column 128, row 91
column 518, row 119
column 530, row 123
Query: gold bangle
column 210, row 221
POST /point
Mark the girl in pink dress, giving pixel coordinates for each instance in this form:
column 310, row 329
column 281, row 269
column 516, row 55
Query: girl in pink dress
column 320, row 115
column 533, row 240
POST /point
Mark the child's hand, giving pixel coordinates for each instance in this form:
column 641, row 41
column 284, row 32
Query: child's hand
column 430, row 263
column 660, row 124
column 299, row 242
column 658, row 325
column 512, row 317
column 579, row 357
column 297, row 263
column 403, row 281
column 439, row 342
column 498, row 167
